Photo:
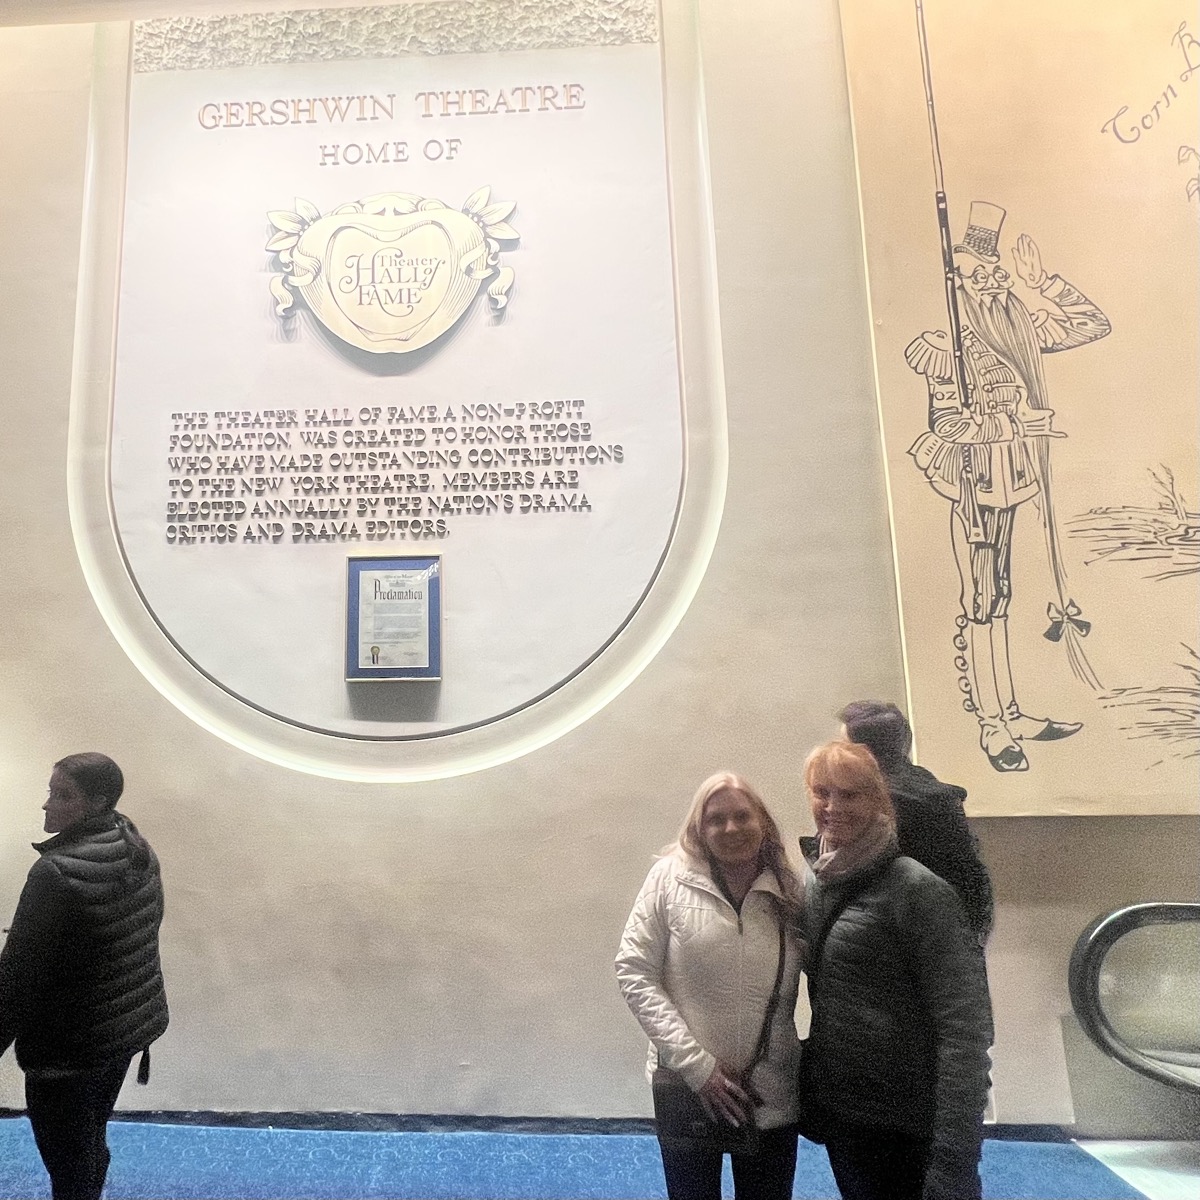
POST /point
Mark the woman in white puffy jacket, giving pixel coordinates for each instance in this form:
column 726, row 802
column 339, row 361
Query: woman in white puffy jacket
column 697, row 966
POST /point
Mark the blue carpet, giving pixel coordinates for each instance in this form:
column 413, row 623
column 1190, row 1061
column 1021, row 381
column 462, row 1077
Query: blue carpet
column 187, row 1162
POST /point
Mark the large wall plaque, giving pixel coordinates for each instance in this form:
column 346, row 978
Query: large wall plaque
column 397, row 280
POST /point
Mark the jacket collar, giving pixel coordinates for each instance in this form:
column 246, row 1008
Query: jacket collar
column 697, row 874
column 81, row 829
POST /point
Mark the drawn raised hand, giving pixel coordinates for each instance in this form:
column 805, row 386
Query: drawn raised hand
column 1038, row 422
column 1027, row 259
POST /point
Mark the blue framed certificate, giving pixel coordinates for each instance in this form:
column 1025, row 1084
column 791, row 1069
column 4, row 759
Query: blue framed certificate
column 394, row 618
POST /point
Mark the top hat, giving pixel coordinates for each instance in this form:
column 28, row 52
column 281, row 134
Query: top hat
column 982, row 238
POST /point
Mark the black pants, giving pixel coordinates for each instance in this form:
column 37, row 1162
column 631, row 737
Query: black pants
column 876, row 1164
column 767, row 1175
column 69, row 1115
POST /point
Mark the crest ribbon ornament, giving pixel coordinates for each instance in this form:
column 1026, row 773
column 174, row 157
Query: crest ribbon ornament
column 391, row 273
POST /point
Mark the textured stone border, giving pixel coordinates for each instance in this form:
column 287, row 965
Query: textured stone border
column 389, row 31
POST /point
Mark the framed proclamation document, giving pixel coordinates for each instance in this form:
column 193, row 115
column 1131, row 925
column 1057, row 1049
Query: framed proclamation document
column 394, row 618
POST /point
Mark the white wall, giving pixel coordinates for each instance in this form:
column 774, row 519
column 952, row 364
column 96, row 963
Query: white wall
column 446, row 947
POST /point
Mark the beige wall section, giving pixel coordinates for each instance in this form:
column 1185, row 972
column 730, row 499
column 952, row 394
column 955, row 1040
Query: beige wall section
column 446, row 947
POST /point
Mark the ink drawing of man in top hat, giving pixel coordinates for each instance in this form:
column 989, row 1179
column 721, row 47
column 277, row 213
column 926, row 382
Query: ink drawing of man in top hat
column 981, row 452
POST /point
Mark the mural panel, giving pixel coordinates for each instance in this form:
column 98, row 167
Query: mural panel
column 1029, row 192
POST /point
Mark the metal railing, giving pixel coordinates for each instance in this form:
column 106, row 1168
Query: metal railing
column 1177, row 1066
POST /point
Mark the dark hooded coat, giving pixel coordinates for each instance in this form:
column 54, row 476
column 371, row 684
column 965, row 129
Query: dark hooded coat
column 80, row 979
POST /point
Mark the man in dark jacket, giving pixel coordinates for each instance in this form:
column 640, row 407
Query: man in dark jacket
column 930, row 821
column 81, row 989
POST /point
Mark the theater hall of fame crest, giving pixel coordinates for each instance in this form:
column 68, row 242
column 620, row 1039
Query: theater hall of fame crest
column 392, row 273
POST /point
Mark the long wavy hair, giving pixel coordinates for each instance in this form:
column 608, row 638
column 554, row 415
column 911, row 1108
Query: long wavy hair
column 772, row 855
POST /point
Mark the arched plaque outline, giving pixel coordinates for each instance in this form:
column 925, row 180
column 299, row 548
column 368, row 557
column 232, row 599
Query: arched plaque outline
column 506, row 735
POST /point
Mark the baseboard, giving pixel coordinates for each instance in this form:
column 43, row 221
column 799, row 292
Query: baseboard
column 371, row 1122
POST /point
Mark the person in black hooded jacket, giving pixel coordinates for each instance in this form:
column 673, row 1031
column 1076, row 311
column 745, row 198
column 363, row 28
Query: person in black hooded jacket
column 930, row 822
column 81, row 987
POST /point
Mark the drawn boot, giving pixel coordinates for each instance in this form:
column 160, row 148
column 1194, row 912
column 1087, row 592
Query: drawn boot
column 994, row 738
column 1022, row 727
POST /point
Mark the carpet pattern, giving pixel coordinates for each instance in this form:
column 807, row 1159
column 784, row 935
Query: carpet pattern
column 185, row 1162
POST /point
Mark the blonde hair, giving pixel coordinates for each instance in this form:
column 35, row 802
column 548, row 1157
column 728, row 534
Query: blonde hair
column 851, row 766
column 772, row 855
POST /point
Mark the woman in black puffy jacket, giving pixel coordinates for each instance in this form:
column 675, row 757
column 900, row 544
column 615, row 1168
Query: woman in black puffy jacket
column 81, row 987
column 895, row 1070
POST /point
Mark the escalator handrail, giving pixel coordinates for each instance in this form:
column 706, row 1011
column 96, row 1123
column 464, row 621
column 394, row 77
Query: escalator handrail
column 1083, row 978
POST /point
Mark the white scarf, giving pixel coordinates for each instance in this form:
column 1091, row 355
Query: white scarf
column 875, row 842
